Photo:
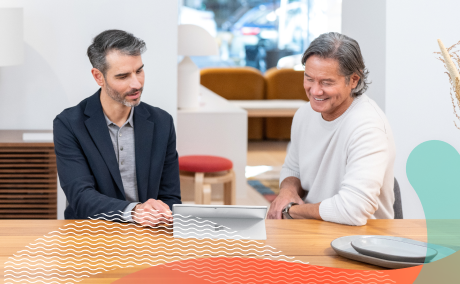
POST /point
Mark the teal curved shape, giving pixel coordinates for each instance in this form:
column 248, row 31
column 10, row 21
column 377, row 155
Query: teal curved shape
column 433, row 170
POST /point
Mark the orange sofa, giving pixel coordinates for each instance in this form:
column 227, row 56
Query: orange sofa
column 247, row 83
column 238, row 83
column 282, row 84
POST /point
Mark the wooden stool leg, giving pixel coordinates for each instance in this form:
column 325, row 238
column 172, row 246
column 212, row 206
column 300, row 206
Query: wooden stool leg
column 230, row 191
column 207, row 194
column 233, row 188
column 199, row 188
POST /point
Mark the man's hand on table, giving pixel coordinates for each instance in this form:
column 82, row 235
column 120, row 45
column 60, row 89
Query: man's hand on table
column 289, row 192
column 152, row 213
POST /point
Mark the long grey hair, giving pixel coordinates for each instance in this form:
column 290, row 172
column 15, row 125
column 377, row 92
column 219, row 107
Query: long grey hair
column 348, row 54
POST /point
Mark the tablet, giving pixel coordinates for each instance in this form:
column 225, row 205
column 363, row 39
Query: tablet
column 219, row 221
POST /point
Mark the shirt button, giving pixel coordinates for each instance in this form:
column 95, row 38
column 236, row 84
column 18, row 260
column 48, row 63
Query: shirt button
column 121, row 148
column 120, row 134
column 121, row 162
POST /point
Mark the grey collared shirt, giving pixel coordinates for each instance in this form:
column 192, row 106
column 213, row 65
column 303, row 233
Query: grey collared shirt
column 123, row 144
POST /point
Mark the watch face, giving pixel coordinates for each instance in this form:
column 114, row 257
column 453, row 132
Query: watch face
column 285, row 209
column 284, row 215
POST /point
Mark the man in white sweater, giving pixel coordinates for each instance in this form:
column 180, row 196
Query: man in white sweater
column 339, row 166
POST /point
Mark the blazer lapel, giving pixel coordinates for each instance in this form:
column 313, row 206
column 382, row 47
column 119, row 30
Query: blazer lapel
column 143, row 140
column 97, row 128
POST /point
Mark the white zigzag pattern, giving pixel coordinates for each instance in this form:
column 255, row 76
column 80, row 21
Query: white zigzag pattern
column 43, row 265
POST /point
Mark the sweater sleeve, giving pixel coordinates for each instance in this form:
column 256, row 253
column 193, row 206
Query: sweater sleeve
column 357, row 199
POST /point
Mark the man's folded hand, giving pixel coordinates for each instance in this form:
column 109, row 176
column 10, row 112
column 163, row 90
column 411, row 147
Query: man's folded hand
column 152, row 213
column 289, row 192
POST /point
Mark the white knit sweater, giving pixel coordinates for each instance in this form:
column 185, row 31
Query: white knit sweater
column 346, row 164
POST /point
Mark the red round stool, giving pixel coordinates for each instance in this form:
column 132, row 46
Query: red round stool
column 205, row 170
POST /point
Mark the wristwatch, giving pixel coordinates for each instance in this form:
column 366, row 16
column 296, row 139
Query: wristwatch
column 286, row 210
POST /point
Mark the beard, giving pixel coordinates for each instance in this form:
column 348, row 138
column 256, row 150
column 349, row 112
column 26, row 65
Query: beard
column 121, row 98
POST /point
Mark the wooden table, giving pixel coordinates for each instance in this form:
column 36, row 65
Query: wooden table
column 95, row 242
column 269, row 108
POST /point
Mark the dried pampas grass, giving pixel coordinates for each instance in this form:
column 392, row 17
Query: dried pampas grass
column 451, row 60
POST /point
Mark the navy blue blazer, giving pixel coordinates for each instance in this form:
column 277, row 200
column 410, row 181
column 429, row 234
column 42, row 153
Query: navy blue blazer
column 87, row 165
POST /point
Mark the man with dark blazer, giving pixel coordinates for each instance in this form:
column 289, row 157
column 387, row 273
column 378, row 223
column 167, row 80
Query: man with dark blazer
column 115, row 154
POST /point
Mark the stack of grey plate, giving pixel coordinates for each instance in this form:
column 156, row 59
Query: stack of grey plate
column 387, row 251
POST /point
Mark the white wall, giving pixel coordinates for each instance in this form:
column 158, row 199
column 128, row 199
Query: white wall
column 334, row 15
column 417, row 100
column 365, row 21
column 56, row 73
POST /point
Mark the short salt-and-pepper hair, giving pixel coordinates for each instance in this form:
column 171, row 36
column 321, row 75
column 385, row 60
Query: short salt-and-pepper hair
column 348, row 54
column 110, row 40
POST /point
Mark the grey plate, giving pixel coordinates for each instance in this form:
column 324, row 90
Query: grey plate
column 342, row 246
column 391, row 249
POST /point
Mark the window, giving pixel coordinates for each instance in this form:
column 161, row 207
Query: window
column 258, row 33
